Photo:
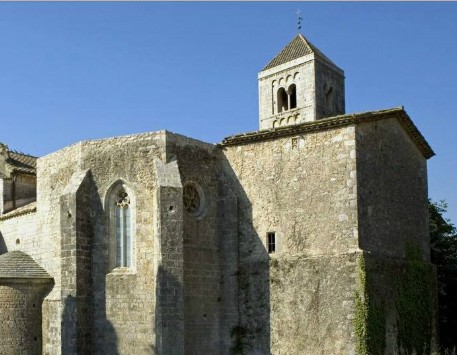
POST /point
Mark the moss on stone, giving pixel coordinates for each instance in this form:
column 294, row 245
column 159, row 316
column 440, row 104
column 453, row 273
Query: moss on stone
column 370, row 318
column 414, row 303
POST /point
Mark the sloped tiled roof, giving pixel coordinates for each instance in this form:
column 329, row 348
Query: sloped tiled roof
column 18, row 265
column 297, row 48
column 20, row 211
column 20, row 162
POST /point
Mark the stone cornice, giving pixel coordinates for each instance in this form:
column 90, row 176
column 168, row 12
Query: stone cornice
column 335, row 122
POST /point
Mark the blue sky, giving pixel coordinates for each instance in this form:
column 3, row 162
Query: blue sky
column 74, row 71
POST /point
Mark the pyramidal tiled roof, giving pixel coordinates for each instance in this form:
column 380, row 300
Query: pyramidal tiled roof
column 18, row 265
column 297, row 48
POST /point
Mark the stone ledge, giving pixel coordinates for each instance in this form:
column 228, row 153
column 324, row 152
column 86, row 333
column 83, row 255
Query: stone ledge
column 334, row 122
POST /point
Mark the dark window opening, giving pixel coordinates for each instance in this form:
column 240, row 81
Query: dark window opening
column 293, row 96
column 271, row 242
column 283, row 104
column 328, row 97
column 294, row 143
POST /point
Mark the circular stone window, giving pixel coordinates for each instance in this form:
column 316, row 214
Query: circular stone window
column 193, row 199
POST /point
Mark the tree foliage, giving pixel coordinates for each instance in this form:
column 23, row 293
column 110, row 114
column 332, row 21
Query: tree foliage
column 443, row 241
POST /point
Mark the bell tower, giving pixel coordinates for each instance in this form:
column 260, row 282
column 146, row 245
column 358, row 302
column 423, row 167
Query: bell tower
column 299, row 85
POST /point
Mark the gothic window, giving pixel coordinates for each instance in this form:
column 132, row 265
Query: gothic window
column 292, row 91
column 119, row 206
column 282, row 100
column 123, row 230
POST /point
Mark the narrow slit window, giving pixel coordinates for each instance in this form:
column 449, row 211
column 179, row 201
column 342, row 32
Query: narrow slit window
column 271, row 242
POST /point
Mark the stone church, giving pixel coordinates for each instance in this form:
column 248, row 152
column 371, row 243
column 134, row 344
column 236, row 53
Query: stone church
column 308, row 236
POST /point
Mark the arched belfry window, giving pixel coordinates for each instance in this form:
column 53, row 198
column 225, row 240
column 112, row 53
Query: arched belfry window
column 292, row 91
column 283, row 104
column 120, row 204
column 328, row 92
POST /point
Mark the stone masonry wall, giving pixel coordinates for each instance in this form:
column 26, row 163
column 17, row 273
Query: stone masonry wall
column 124, row 299
column 76, row 211
column 393, row 232
column 392, row 190
column 54, row 172
column 38, row 234
column 313, row 308
column 330, row 99
column 210, row 250
column 170, row 319
column 20, row 326
column 20, row 233
column 303, row 189
column 124, row 303
column 298, row 73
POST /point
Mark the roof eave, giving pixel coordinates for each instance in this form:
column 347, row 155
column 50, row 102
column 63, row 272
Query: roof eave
column 335, row 122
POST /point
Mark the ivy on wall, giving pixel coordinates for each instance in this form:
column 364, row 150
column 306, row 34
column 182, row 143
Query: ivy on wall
column 369, row 320
column 414, row 304
column 412, row 289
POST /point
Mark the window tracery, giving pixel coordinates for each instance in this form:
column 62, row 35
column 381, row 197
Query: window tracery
column 120, row 208
column 123, row 230
column 193, row 199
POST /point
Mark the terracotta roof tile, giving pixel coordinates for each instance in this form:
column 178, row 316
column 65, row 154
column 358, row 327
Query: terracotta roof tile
column 20, row 211
column 21, row 162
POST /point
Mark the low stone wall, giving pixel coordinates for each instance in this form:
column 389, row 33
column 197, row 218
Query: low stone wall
column 20, row 316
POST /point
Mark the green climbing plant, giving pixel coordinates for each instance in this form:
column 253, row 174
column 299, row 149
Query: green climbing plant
column 414, row 304
column 369, row 320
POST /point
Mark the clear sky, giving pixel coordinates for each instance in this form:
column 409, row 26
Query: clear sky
column 75, row 71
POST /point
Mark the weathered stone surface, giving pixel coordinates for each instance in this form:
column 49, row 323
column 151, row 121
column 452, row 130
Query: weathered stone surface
column 159, row 243
column 23, row 284
column 312, row 87
column 392, row 193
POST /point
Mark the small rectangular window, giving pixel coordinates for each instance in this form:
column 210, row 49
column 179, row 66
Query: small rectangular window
column 271, row 242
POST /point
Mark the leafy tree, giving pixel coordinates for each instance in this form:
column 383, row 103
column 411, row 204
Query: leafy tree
column 443, row 240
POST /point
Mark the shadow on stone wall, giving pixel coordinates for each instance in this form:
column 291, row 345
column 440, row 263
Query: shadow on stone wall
column 169, row 321
column 85, row 327
column 109, row 342
column 69, row 318
column 252, row 335
column 3, row 248
column 104, row 337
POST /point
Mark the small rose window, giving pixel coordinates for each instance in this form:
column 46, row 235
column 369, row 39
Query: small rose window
column 193, row 199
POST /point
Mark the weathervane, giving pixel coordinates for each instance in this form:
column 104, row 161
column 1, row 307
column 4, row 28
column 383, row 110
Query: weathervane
column 299, row 20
